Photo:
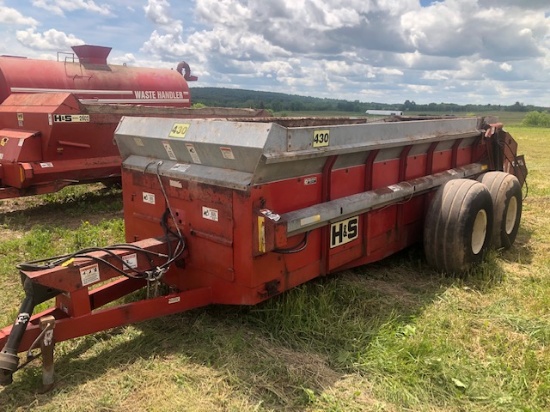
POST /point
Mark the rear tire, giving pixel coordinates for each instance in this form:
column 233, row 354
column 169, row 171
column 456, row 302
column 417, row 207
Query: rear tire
column 506, row 193
column 458, row 226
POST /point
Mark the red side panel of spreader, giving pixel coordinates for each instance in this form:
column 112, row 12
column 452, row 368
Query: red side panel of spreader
column 234, row 241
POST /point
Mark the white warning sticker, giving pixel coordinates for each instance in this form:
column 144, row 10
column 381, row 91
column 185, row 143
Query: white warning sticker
column 149, row 198
column 46, row 164
column 130, row 261
column 310, row 181
column 227, row 153
column 193, row 153
column 209, row 213
column 169, row 151
column 178, row 167
column 89, row 274
column 176, row 183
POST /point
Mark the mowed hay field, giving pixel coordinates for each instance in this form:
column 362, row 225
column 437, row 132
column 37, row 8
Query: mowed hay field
column 391, row 336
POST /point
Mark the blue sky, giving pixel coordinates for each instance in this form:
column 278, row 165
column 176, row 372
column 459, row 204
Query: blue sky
column 461, row 51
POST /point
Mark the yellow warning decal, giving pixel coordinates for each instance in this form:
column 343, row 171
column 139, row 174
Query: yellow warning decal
column 261, row 234
column 179, row 130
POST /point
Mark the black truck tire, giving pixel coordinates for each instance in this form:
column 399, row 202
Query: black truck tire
column 506, row 193
column 458, row 226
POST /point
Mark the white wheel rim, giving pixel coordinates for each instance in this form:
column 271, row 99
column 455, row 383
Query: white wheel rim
column 479, row 231
column 511, row 215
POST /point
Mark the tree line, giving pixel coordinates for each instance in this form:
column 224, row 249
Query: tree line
column 282, row 102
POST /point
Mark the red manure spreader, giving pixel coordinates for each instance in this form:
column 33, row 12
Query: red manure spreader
column 235, row 211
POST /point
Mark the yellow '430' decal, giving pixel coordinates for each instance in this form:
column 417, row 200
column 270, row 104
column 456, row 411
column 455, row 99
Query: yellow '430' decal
column 179, row 130
column 321, row 138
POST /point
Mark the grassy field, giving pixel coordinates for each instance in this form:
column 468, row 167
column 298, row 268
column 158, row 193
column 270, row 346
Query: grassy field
column 391, row 336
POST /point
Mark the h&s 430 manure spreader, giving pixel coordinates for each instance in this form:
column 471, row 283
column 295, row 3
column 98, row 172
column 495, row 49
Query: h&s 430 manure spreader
column 235, row 212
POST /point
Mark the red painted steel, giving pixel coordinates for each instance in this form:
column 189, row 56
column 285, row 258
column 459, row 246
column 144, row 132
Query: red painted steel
column 240, row 257
column 103, row 319
column 52, row 140
column 49, row 139
column 239, row 275
column 87, row 75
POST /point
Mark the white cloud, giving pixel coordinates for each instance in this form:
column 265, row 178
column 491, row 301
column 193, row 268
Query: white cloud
column 415, row 88
column 391, row 72
column 356, row 49
column 48, row 40
column 59, row 7
column 463, row 28
column 158, row 11
column 451, row 45
column 506, row 67
column 11, row 16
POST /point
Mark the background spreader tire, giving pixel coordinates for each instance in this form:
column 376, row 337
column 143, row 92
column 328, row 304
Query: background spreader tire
column 506, row 193
column 458, row 226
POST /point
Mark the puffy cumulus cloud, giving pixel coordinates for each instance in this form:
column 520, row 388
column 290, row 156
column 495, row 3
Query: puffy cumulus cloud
column 385, row 50
column 207, row 45
column 158, row 11
column 10, row 16
column 438, row 30
column 226, row 13
column 48, row 40
column 126, row 58
column 59, row 7
column 360, row 49
column 459, row 28
column 312, row 27
column 265, row 32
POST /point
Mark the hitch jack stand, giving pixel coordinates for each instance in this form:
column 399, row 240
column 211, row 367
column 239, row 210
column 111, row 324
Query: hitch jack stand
column 47, row 344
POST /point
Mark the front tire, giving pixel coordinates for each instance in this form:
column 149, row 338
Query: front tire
column 506, row 193
column 458, row 226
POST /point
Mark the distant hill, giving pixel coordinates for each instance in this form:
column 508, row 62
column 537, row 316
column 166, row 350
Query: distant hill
column 278, row 102
column 281, row 102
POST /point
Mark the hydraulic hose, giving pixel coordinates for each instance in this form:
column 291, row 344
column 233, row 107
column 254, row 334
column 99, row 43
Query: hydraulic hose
column 9, row 361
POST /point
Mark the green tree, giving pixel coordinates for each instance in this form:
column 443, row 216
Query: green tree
column 537, row 119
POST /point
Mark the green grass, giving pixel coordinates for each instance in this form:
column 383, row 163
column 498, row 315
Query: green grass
column 390, row 336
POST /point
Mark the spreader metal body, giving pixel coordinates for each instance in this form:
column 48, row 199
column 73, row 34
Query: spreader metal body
column 255, row 207
column 266, row 207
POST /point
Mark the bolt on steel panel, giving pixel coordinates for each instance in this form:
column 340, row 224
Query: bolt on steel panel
column 268, row 152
